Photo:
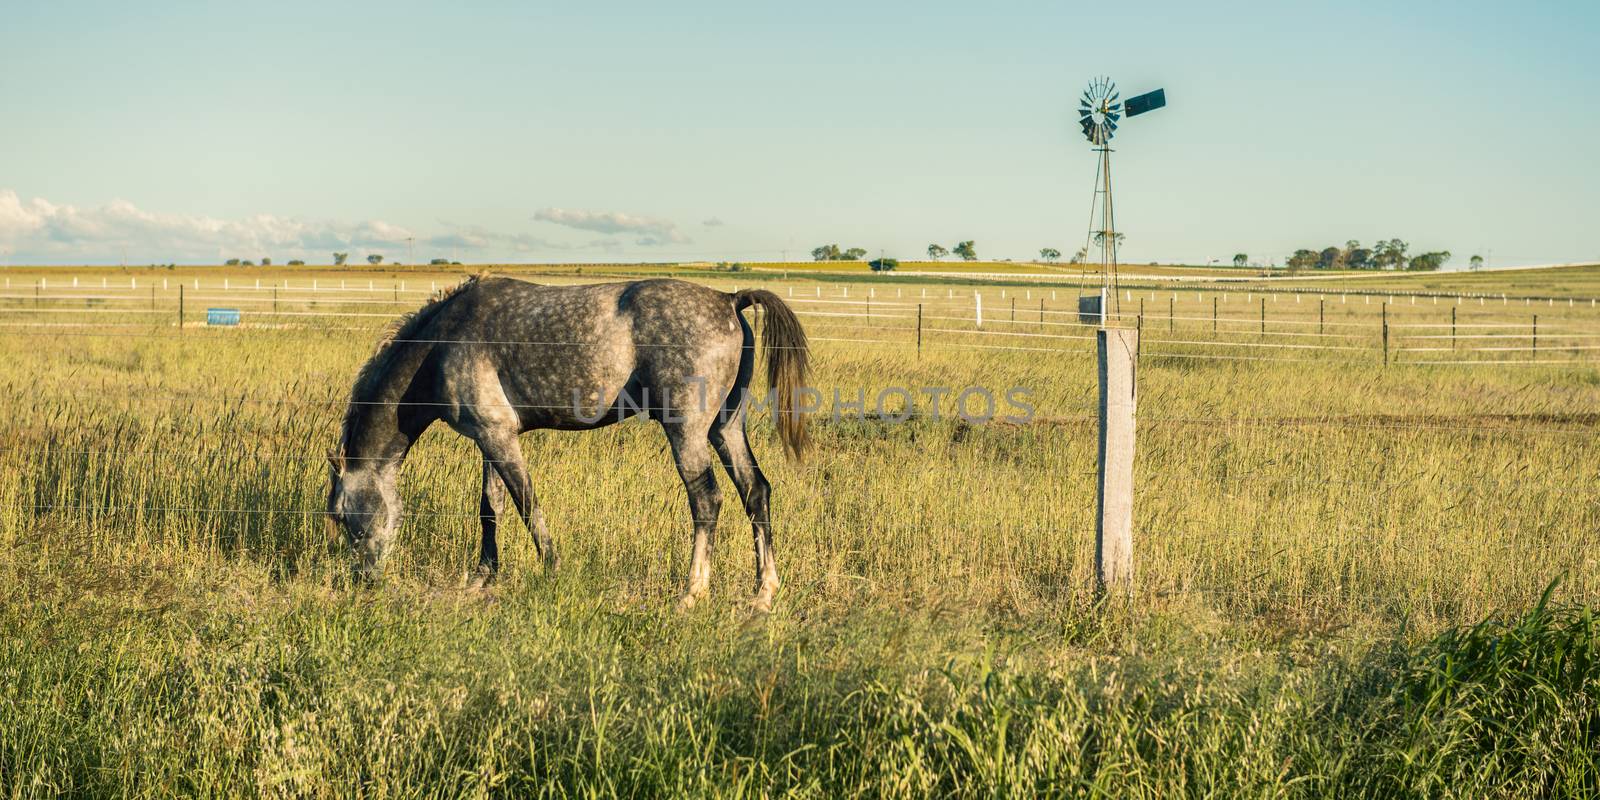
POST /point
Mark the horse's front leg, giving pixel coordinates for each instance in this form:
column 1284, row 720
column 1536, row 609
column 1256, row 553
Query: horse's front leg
column 501, row 450
column 489, row 506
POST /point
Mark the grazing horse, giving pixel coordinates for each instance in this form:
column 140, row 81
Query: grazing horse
column 495, row 357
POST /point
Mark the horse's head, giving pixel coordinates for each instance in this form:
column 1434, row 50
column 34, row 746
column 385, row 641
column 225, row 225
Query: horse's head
column 363, row 502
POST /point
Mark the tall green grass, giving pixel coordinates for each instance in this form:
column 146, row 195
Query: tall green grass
column 1318, row 546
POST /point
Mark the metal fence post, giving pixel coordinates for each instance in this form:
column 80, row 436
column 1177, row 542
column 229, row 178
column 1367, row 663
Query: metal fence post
column 1385, row 335
column 919, row 330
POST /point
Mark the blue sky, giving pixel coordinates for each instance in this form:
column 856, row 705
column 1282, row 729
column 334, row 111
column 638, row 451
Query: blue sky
column 667, row 131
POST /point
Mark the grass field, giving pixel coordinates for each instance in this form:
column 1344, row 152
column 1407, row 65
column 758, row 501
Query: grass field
column 1342, row 559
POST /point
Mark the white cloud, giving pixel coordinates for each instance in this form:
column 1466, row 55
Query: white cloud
column 714, row 222
column 45, row 229
column 40, row 231
column 474, row 237
column 18, row 220
column 649, row 231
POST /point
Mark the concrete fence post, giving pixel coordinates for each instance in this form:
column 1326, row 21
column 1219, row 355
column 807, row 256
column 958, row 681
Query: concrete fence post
column 1117, row 349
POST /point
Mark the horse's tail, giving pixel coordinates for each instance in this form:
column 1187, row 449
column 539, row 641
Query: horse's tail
column 786, row 352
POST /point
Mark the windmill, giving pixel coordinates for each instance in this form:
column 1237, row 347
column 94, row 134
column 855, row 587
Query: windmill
column 1100, row 109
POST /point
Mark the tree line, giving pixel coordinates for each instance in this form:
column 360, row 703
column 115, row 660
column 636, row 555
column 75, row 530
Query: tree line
column 340, row 259
column 1390, row 254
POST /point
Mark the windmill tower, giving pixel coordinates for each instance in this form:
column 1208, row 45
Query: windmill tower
column 1100, row 109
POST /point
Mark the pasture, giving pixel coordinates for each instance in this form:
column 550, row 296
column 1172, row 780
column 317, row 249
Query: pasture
column 1367, row 539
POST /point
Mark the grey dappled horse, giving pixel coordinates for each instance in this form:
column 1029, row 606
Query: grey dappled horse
column 495, row 357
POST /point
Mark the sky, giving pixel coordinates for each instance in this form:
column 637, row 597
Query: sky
column 647, row 131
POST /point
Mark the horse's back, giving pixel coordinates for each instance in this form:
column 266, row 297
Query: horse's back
column 553, row 348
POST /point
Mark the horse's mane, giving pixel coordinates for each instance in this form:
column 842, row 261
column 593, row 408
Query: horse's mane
column 402, row 329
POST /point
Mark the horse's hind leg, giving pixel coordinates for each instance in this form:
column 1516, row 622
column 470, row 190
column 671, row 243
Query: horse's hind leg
column 693, row 453
column 728, row 437
column 489, row 506
column 501, row 450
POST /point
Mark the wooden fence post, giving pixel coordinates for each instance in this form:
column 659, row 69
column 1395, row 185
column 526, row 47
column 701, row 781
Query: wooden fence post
column 1535, row 337
column 1138, row 329
column 1213, row 314
column 1385, row 335
column 1263, row 317
column 1452, row 327
column 1321, row 303
column 1114, row 508
column 180, row 308
column 919, row 330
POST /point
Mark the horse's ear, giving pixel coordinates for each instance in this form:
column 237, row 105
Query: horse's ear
column 335, row 463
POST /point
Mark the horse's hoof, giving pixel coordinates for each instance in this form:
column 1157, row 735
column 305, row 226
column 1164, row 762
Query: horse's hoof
column 688, row 602
column 479, row 580
column 761, row 604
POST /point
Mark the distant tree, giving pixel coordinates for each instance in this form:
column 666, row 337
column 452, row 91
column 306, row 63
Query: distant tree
column 232, row 262
column 1050, row 254
column 295, row 262
column 1359, row 258
column 1350, row 247
column 1116, row 238
column 1240, row 259
column 440, row 262
column 1475, row 263
column 853, row 254
column 339, row 259
column 1390, row 254
column 1330, row 258
column 827, row 252
column 266, row 262
column 374, row 259
column 967, row 250
column 883, row 264
column 1302, row 259
column 247, row 263
column 1428, row 262
column 937, row 252
column 1078, row 257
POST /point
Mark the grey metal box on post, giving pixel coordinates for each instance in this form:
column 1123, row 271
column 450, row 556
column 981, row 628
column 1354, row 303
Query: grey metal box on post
column 1091, row 309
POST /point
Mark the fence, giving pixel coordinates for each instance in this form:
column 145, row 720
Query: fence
column 1178, row 325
